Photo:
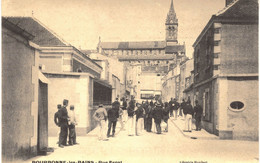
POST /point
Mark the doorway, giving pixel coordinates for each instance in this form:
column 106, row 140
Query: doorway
column 42, row 137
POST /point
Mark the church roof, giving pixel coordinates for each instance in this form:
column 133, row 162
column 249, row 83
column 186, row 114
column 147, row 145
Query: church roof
column 174, row 49
column 42, row 35
column 133, row 45
column 145, row 57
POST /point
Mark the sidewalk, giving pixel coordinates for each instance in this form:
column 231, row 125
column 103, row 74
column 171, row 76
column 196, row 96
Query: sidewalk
column 203, row 134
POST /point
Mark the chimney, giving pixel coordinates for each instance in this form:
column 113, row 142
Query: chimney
column 228, row 2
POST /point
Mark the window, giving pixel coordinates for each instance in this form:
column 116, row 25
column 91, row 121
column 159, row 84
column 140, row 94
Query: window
column 217, row 30
column 236, row 106
column 216, row 43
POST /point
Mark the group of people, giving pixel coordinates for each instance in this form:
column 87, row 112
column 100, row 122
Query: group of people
column 187, row 112
column 145, row 116
column 66, row 120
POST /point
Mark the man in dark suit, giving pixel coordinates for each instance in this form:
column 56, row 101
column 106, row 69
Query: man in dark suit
column 188, row 111
column 198, row 114
column 63, row 120
column 171, row 107
column 113, row 114
column 57, row 115
column 131, row 113
column 158, row 116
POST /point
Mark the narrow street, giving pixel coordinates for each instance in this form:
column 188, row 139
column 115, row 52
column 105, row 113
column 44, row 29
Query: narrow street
column 150, row 147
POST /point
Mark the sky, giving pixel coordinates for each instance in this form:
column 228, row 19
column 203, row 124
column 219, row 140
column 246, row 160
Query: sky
column 81, row 22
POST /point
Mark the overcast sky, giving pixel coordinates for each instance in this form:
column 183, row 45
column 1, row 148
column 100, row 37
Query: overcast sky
column 81, row 22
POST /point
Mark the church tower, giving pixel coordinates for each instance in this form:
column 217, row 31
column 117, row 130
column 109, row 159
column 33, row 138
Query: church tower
column 171, row 27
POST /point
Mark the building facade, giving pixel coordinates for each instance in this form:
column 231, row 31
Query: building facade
column 24, row 96
column 72, row 75
column 226, row 71
column 148, row 59
column 114, row 72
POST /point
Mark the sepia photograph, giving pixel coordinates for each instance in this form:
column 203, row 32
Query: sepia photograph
column 130, row 81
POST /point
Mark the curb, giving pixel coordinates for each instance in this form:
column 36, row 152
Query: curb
column 193, row 137
column 180, row 129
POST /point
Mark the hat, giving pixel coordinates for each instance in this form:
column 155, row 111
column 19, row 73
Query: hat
column 65, row 101
column 71, row 106
column 100, row 105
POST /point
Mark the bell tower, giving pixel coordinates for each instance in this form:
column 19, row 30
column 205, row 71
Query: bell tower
column 171, row 25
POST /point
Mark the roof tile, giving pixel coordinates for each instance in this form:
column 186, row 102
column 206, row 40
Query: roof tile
column 43, row 36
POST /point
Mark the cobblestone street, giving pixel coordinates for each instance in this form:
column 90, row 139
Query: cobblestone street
column 150, row 147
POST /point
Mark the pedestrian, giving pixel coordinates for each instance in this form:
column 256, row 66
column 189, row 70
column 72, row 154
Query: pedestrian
column 149, row 117
column 146, row 112
column 175, row 108
column 131, row 120
column 57, row 115
column 120, row 119
column 157, row 115
column 124, row 108
column 198, row 114
column 139, row 119
column 188, row 111
column 183, row 103
column 100, row 116
column 63, row 121
column 171, row 107
column 116, row 104
column 72, row 123
column 113, row 114
column 166, row 111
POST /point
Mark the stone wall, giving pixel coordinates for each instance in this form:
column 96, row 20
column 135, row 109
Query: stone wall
column 75, row 88
column 239, row 49
column 244, row 122
column 19, row 97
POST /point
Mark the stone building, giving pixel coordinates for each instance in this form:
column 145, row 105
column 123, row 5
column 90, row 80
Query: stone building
column 153, row 58
column 72, row 75
column 226, row 71
column 186, row 79
column 24, row 96
column 174, row 82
